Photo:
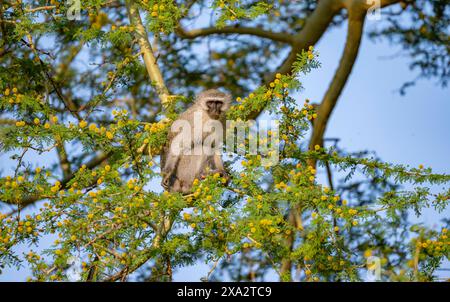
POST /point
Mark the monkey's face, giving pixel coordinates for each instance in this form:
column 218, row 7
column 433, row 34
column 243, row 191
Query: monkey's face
column 215, row 108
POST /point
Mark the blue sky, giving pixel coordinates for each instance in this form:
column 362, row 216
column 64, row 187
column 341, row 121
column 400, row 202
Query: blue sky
column 411, row 129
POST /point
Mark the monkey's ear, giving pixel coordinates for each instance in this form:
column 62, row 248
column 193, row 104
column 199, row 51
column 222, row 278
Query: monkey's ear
column 226, row 103
column 204, row 104
column 201, row 100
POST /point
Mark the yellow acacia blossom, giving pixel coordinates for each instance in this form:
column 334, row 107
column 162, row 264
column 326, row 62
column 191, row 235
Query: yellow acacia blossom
column 82, row 124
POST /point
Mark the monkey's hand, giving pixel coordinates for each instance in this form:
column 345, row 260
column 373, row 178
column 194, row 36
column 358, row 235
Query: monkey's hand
column 166, row 180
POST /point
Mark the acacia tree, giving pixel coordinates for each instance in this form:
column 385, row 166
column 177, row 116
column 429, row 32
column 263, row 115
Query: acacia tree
column 99, row 93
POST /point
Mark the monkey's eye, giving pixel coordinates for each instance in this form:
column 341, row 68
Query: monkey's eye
column 214, row 105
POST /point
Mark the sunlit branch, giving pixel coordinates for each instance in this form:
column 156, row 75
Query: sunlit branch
column 147, row 53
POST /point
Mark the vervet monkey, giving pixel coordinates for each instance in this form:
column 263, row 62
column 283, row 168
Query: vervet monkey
column 201, row 137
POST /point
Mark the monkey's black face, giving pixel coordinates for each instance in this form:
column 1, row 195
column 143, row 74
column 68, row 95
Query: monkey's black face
column 214, row 108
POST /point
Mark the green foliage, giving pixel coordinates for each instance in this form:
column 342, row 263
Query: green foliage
column 231, row 10
column 162, row 16
column 97, row 202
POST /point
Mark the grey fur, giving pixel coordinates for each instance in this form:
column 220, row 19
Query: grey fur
column 180, row 171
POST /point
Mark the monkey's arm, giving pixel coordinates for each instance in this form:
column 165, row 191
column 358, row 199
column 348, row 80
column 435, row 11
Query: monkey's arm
column 168, row 171
column 169, row 162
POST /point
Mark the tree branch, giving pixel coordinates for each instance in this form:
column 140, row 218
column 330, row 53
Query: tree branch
column 354, row 34
column 63, row 159
column 5, row 121
column 147, row 53
column 34, row 198
column 161, row 233
column 313, row 30
column 259, row 32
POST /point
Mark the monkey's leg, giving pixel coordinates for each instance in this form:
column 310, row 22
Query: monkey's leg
column 176, row 185
column 215, row 165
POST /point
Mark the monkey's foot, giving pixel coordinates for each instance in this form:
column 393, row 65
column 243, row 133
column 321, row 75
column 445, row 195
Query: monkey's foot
column 166, row 181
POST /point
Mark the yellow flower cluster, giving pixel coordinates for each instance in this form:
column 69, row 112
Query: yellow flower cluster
column 98, row 21
column 126, row 28
column 26, row 226
column 131, row 184
column 265, row 222
column 155, row 9
column 17, row 96
column 278, row 80
column 117, row 113
column 187, row 216
column 309, row 111
column 352, row 211
column 298, row 175
column 92, row 127
column 281, row 185
column 56, row 187
column 5, row 239
column 82, row 124
column 155, row 127
column 310, row 52
column 434, row 246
